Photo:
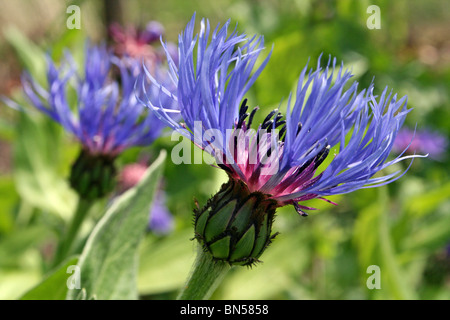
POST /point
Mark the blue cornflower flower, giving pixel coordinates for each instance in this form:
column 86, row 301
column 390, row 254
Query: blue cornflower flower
column 141, row 43
column 105, row 117
column 161, row 220
column 278, row 164
column 423, row 141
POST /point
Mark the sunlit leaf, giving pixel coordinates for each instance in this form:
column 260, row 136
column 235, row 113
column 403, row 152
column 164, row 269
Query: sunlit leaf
column 54, row 285
column 109, row 261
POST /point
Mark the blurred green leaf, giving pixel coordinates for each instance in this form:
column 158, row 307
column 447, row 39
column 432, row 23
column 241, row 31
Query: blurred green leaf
column 375, row 246
column 13, row 283
column 15, row 245
column 36, row 162
column 73, row 40
column 283, row 262
column 283, row 69
column 31, row 56
column 7, row 201
column 425, row 203
column 54, row 285
column 165, row 263
column 430, row 236
column 109, row 261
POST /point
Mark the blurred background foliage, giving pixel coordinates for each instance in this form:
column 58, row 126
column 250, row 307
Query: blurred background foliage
column 403, row 228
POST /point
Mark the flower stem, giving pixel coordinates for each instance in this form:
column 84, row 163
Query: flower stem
column 205, row 276
column 66, row 244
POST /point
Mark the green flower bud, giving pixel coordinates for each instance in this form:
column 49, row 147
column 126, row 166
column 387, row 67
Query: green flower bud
column 93, row 176
column 235, row 225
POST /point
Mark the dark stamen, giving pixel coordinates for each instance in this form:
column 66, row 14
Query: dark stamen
column 299, row 128
column 224, row 167
column 318, row 159
column 243, row 109
column 280, row 123
column 305, row 165
column 278, row 117
column 269, row 116
column 282, row 132
column 241, row 120
column 252, row 114
column 323, row 154
column 267, row 124
column 235, row 148
column 299, row 211
column 269, row 152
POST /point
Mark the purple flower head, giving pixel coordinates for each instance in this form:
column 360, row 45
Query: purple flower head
column 206, row 89
column 152, row 32
column 161, row 220
column 140, row 43
column 105, row 117
column 423, row 141
column 327, row 120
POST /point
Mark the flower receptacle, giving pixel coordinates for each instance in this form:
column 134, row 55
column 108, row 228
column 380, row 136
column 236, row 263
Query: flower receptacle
column 93, row 176
column 235, row 225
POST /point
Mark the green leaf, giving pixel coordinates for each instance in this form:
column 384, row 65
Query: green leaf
column 375, row 246
column 54, row 286
column 7, row 202
column 284, row 260
column 430, row 237
column 109, row 261
column 422, row 204
column 14, row 282
column 14, row 246
column 30, row 55
column 36, row 162
column 165, row 263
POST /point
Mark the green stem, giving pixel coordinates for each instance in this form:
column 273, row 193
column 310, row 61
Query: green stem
column 205, row 276
column 66, row 244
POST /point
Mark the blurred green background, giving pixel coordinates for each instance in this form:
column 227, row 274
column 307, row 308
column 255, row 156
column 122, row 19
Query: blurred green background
column 404, row 228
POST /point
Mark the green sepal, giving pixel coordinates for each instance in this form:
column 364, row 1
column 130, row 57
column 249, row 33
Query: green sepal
column 235, row 224
column 93, row 175
column 200, row 222
column 221, row 248
column 218, row 222
column 244, row 246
